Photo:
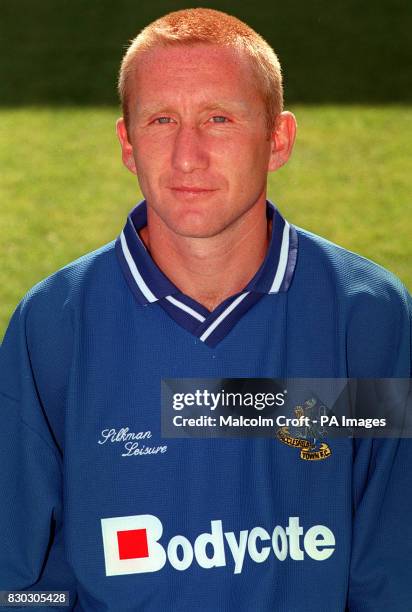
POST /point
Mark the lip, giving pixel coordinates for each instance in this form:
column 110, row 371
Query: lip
column 190, row 189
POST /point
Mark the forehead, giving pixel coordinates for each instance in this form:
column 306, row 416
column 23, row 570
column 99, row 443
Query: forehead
column 201, row 72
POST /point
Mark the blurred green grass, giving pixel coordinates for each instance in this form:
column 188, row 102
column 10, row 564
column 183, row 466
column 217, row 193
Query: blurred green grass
column 65, row 192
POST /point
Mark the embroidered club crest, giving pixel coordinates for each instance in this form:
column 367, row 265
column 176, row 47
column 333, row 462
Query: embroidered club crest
column 307, row 438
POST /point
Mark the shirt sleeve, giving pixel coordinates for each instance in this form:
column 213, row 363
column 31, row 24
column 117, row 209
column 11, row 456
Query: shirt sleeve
column 381, row 560
column 32, row 553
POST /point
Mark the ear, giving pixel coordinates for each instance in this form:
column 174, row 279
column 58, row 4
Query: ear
column 127, row 149
column 282, row 140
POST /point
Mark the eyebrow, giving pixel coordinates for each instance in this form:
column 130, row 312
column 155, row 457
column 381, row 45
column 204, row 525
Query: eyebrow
column 238, row 107
column 229, row 106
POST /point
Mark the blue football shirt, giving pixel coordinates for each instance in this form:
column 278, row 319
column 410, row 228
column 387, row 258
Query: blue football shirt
column 96, row 502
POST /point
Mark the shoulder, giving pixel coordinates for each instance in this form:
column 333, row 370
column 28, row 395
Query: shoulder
column 369, row 306
column 351, row 276
column 40, row 333
column 50, row 307
column 67, row 286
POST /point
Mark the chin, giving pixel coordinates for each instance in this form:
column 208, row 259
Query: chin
column 191, row 229
column 194, row 220
column 197, row 217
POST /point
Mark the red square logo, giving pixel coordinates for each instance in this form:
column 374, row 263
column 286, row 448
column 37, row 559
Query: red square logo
column 132, row 544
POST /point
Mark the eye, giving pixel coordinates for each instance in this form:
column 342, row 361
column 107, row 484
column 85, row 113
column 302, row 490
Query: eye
column 162, row 120
column 218, row 119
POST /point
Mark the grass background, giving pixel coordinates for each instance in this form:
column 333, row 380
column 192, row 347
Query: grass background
column 63, row 190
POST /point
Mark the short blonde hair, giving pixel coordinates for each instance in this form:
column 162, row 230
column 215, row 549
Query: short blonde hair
column 207, row 26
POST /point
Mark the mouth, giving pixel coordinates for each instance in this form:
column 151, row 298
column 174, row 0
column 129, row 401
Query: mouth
column 191, row 190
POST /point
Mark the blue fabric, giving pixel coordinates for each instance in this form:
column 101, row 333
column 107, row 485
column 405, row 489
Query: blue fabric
column 81, row 357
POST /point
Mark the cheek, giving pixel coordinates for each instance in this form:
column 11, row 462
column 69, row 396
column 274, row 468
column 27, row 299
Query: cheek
column 247, row 162
column 149, row 151
column 149, row 165
column 239, row 159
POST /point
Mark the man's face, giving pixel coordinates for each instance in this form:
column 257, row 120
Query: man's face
column 198, row 138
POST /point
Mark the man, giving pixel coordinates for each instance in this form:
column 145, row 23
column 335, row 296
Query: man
column 206, row 280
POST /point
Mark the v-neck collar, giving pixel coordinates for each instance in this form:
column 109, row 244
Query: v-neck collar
column 149, row 284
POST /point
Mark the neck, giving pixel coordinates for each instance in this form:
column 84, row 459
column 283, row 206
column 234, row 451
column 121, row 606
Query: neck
column 209, row 270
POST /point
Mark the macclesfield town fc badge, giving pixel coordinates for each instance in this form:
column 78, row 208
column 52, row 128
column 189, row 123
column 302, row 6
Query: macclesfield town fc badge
column 307, row 434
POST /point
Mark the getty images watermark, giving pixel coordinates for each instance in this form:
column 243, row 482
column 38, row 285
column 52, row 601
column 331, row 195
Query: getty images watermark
column 294, row 410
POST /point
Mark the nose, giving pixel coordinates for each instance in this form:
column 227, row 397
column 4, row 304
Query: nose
column 189, row 150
